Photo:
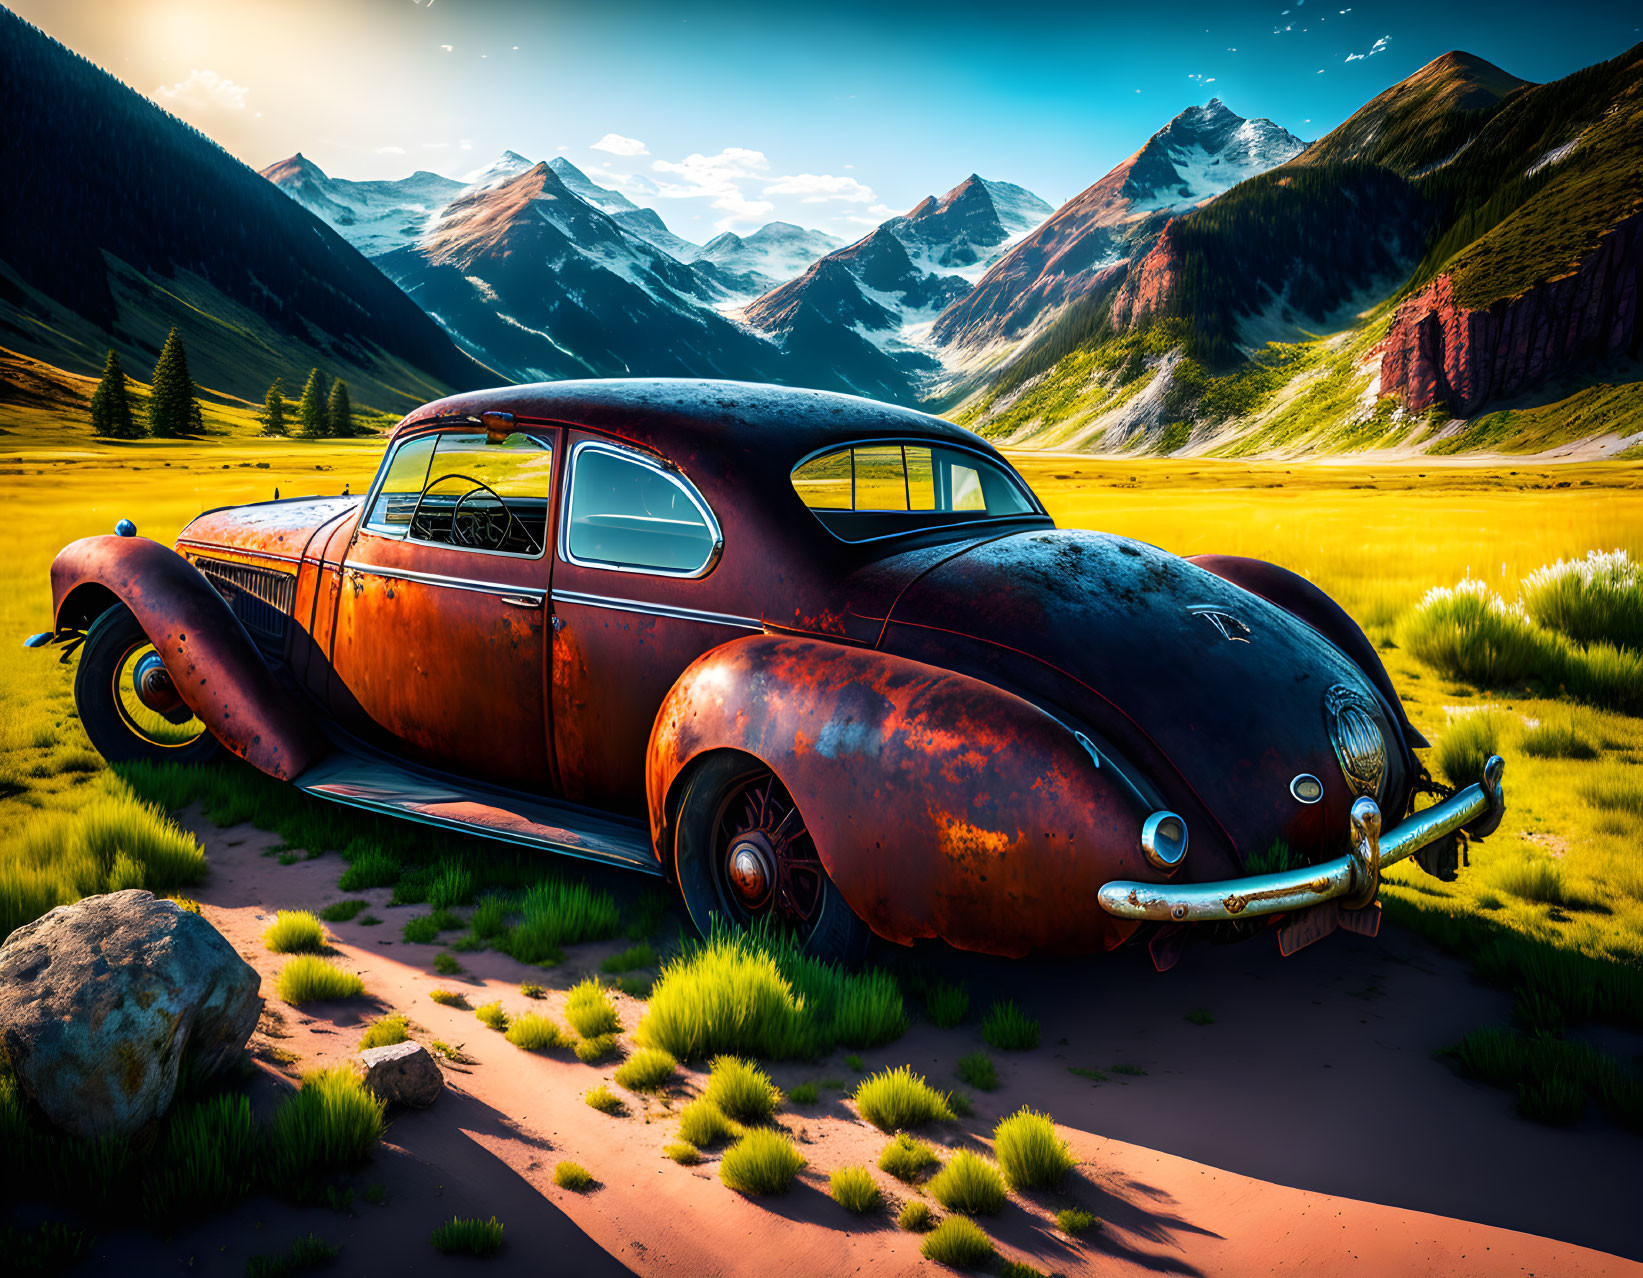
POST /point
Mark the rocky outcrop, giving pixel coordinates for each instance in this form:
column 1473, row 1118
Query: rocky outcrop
column 1146, row 289
column 401, row 1074
column 105, row 1002
column 1440, row 352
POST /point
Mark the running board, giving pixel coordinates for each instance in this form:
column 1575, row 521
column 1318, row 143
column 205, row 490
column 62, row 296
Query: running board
column 380, row 786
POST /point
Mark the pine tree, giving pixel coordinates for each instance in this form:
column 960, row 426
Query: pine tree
column 311, row 410
column 273, row 410
column 111, row 405
column 339, row 411
column 172, row 408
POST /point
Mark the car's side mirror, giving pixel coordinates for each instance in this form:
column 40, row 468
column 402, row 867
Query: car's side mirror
column 498, row 426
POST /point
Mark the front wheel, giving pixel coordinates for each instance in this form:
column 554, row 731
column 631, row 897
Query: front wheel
column 745, row 859
column 128, row 705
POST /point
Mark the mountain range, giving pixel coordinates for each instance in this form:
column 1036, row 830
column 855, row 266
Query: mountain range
column 1456, row 266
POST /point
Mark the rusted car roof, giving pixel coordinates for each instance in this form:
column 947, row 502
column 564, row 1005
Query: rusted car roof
column 688, row 417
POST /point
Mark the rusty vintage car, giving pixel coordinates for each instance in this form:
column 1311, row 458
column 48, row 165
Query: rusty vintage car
column 818, row 660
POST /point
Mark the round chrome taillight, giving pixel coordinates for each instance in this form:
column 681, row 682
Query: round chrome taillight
column 1164, row 839
column 1355, row 732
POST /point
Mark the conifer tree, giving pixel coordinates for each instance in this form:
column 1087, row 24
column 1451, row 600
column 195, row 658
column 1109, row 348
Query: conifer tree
column 311, row 409
column 339, row 411
column 111, row 404
column 172, row 409
column 273, row 410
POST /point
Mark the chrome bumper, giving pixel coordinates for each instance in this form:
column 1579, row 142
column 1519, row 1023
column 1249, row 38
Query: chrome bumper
column 1354, row 879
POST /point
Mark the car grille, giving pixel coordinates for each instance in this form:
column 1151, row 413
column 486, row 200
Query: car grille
column 260, row 597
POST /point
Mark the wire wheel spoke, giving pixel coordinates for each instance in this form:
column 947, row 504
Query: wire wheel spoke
column 766, row 862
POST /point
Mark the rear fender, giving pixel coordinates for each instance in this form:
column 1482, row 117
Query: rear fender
column 1304, row 601
column 939, row 805
column 215, row 666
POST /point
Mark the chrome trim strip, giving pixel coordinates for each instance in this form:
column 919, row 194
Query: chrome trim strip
column 440, row 579
column 216, row 548
column 655, row 609
column 1355, row 875
column 668, row 471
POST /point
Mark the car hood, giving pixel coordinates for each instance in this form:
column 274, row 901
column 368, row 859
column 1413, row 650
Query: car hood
column 277, row 530
column 1215, row 695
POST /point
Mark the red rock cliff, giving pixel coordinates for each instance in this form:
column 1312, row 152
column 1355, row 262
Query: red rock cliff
column 1440, row 353
column 1146, row 287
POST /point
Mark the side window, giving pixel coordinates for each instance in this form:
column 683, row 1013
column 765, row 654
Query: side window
column 876, row 490
column 458, row 489
column 628, row 513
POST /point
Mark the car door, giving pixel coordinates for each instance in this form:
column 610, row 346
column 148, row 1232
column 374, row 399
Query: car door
column 439, row 649
column 634, row 604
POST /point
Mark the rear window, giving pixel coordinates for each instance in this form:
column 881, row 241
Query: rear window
column 879, row 490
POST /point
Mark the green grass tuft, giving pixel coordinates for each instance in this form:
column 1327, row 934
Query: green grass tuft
column 1562, row 738
column 604, row 1100
column 648, row 1070
column 534, row 1032
column 385, row 1032
column 704, row 1124
column 333, row 1121
column 295, row 932
column 977, row 1069
column 1029, row 1153
column 573, row 1176
column 1469, row 633
column 446, row 964
column 449, row 998
column 312, row 1252
column 968, row 1183
column 1008, row 1028
column 343, row 911
column 959, row 1243
column 530, row 989
column 758, row 995
column 763, row 1161
column 947, row 1003
column 1462, row 751
column 461, row 1236
column 1598, row 599
column 741, row 1090
column 492, row 1016
column 630, row 960
column 896, row 1098
column 1074, row 1221
column 907, row 1158
column 590, row 1051
column 683, row 1153
column 308, row 978
column 803, row 1094
column 916, row 1217
column 207, row 1158
column 554, row 914
column 589, row 1009
column 854, row 1189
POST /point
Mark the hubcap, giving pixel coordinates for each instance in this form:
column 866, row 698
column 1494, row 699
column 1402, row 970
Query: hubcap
column 153, row 683
column 751, row 871
column 767, row 864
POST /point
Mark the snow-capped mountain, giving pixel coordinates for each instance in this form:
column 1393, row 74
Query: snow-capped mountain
column 773, row 254
column 1201, row 153
column 506, row 167
column 647, row 224
column 538, row 283
column 887, row 288
column 375, row 217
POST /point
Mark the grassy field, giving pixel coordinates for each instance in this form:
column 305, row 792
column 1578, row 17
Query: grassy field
column 1562, row 874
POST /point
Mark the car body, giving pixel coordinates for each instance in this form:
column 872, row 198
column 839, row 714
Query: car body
column 809, row 655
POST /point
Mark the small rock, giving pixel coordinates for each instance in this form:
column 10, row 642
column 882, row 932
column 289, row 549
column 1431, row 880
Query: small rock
column 401, row 1074
column 104, row 1002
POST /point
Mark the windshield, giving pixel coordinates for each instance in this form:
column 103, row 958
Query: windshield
column 879, row 490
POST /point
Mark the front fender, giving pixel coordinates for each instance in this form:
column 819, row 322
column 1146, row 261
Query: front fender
column 212, row 661
column 941, row 806
column 1304, row 601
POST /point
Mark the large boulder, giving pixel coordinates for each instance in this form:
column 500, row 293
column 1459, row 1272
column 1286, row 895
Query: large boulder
column 401, row 1074
column 104, row 1002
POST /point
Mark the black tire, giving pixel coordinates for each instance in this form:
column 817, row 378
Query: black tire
column 118, row 734
column 817, row 913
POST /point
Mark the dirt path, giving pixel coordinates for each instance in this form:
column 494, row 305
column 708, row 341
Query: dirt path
column 1306, row 1130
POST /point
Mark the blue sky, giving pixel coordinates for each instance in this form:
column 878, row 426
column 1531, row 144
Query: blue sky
column 725, row 115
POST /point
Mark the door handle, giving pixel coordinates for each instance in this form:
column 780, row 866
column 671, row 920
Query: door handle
column 522, row 601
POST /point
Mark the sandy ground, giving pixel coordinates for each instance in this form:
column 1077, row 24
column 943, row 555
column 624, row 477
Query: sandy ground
column 1306, row 1130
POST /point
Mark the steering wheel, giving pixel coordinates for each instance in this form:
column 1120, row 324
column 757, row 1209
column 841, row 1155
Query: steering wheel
column 476, row 529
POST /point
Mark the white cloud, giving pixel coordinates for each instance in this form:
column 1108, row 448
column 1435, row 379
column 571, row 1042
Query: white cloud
column 203, row 90
column 390, row 150
column 616, row 144
column 1378, row 47
column 717, row 179
column 465, row 145
column 822, row 188
column 446, row 47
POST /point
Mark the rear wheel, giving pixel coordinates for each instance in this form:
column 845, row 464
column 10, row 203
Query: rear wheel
column 745, row 859
column 128, row 704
